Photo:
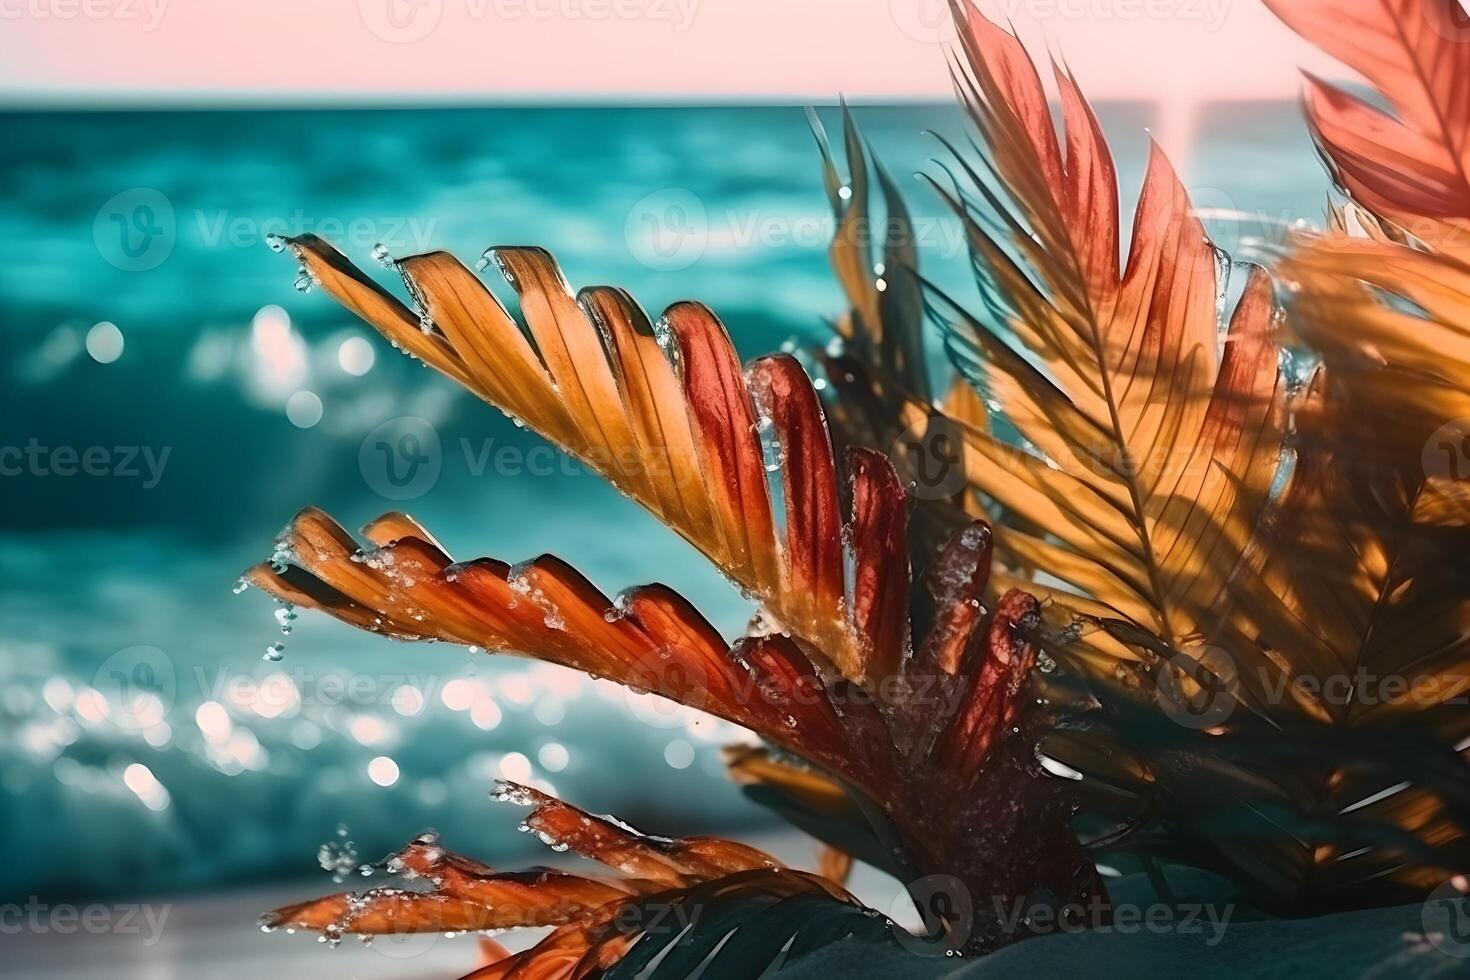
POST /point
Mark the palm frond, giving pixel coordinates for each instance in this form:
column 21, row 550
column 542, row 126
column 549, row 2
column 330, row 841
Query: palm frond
column 1197, row 503
column 1410, row 166
column 663, row 412
column 885, row 320
column 919, row 736
column 675, row 900
column 1171, row 493
column 1194, row 501
column 651, row 639
column 1144, row 450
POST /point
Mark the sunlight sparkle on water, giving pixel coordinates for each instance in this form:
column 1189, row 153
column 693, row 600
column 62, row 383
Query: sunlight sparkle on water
column 105, row 342
column 140, row 779
column 304, row 409
column 408, row 700
column 213, row 721
column 553, row 756
column 679, row 754
column 369, row 730
column 355, row 355
column 485, row 713
column 458, row 694
column 515, row 767
column 279, row 362
column 383, row 770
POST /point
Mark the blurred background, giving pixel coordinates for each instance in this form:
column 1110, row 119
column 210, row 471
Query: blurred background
column 170, row 399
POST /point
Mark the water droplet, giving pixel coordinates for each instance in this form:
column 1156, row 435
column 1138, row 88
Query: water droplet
column 504, row 267
column 339, row 857
column 275, row 652
column 507, row 792
column 668, row 343
column 285, row 616
column 381, row 256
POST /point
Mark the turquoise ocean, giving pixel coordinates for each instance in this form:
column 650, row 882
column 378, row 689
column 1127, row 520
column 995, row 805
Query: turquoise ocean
column 169, row 400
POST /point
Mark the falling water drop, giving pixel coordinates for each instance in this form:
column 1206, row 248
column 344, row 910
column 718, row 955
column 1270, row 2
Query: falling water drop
column 381, row 256
column 338, row 857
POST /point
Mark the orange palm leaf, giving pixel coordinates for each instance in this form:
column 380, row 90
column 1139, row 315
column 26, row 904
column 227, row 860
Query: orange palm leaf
column 663, row 412
column 597, row 919
column 923, row 741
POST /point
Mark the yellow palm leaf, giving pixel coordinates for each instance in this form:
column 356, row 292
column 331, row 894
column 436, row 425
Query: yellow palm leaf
column 1170, row 485
column 1160, row 443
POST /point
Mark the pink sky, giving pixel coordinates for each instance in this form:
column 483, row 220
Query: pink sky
column 1181, row 50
